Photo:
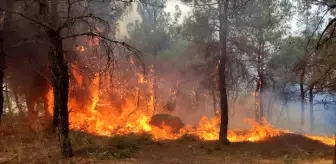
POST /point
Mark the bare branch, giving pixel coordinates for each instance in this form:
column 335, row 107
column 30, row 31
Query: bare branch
column 318, row 44
column 135, row 51
column 73, row 20
column 30, row 19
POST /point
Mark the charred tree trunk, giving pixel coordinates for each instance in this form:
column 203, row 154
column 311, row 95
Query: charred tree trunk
column 2, row 69
column 60, row 83
column 223, row 19
column 311, row 106
column 223, row 103
column 3, row 35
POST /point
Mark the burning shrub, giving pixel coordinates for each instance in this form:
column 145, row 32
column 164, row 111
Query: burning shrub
column 170, row 106
column 167, row 121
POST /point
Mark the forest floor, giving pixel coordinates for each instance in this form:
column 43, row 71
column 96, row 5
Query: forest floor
column 140, row 149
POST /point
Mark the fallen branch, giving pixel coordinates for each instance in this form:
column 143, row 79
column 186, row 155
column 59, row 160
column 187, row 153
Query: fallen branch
column 9, row 160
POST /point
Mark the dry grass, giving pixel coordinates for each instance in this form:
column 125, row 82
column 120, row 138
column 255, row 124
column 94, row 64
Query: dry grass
column 18, row 145
column 140, row 149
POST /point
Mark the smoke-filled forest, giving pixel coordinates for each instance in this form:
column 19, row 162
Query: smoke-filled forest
column 168, row 81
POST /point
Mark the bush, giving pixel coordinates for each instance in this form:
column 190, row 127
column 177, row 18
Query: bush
column 125, row 146
column 188, row 137
column 120, row 146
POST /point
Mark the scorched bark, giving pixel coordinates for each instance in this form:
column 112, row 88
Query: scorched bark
column 3, row 34
column 223, row 18
column 2, row 68
column 60, row 83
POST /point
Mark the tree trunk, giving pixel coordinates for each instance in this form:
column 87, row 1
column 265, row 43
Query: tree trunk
column 302, row 97
column 303, row 66
column 31, row 113
column 262, row 76
column 47, row 115
column 155, row 54
column 334, row 160
column 233, row 102
column 214, row 87
column 18, row 104
column 259, row 106
column 259, row 92
column 311, row 106
column 214, row 100
column 8, row 101
column 223, row 19
column 223, row 103
column 60, row 83
column 2, row 74
column 3, row 35
column 257, row 101
column 155, row 88
column 261, row 103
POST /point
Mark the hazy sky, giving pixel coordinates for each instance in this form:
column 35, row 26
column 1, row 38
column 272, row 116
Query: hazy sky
column 132, row 14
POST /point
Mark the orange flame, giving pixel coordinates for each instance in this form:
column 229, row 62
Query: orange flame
column 105, row 120
column 102, row 117
column 80, row 49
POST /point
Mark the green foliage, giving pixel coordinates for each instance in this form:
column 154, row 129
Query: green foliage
column 288, row 54
column 124, row 146
column 176, row 54
column 282, row 63
column 256, row 27
column 153, row 33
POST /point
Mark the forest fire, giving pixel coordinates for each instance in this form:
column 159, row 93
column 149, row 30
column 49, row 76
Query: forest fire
column 162, row 81
column 101, row 117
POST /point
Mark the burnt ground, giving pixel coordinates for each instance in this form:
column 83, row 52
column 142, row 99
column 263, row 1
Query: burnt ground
column 140, row 149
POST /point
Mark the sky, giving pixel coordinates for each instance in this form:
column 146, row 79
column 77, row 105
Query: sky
column 132, row 14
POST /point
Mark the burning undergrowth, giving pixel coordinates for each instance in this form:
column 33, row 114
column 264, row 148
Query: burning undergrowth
column 107, row 112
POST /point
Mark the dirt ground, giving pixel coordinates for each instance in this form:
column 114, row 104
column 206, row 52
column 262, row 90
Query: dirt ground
column 136, row 149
